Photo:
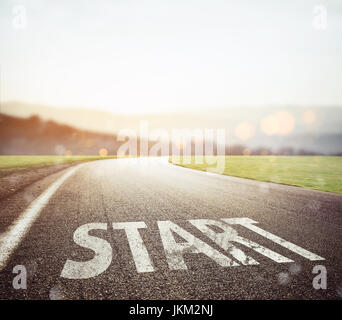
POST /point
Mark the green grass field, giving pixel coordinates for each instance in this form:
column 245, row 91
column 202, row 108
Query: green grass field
column 8, row 162
column 312, row 172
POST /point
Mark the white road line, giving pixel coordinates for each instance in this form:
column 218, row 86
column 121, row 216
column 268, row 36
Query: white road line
column 10, row 239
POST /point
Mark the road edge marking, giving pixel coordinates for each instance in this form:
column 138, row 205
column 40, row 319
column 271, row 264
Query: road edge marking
column 11, row 238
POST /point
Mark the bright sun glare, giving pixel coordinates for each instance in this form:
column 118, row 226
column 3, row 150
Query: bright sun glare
column 133, row 58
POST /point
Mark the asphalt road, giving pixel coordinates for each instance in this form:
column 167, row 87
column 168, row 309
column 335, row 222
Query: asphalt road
column 145, row 259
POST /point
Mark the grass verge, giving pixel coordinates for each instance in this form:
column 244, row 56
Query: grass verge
column 312, row 172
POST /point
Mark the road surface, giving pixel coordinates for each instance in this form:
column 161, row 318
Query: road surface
column 146, row 229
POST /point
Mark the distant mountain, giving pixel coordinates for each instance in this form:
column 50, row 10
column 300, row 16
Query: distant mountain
column 322, row 133
column 328, row 120
column 33, row 136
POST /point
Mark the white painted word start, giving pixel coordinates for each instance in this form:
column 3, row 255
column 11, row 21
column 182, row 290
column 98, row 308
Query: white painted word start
column 175, row 250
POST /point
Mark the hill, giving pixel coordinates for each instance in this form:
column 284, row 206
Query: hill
column 34, row 136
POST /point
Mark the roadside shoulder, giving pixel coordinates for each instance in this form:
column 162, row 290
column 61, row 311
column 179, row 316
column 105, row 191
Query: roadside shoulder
column 16, row 179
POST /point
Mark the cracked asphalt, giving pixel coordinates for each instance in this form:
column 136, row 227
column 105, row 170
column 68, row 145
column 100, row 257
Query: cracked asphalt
column 150, row 190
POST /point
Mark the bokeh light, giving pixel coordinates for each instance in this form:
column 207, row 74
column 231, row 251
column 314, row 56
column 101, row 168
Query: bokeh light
column 103, row 152
column 281, row 123
column 269, row 125
column 309, row 117
column 244, row 131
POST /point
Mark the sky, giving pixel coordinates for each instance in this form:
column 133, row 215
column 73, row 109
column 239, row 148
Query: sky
column 136, row 57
